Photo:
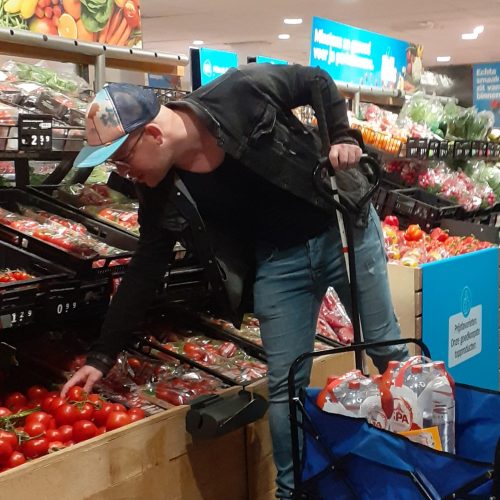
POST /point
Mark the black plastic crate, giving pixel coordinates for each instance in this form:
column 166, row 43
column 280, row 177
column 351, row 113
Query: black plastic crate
column 85, row 267
column 416, row 206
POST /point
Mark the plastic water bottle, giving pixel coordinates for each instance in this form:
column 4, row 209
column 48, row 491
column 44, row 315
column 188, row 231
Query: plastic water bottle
column 353, row 397
column 417, row 379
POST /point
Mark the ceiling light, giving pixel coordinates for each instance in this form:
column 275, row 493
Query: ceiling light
column 443, row 58
column 198, row 42
column 292, row 20
column 284, row 36
column 479, row 29
column 469, row 36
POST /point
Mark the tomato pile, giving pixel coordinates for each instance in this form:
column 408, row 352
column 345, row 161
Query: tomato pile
column 414, row 246
column 12, row 275
column 42, row 422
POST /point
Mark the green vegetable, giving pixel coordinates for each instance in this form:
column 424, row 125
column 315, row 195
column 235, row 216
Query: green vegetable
column 95, row 14
column 14, row 21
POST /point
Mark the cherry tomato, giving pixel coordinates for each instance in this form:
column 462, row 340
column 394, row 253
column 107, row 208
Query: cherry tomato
column 56, row 446
column 118, row 407
column 193, row 351
column 83, row 429
column 136, row 414
column 37, row 393
column 35, row 447
column 35, row 429
column 15, row 401
column 85, row 411
column 66, row 414
column 53, row 435
column 117, row 419
column 95, row 399
column 4, row 412
column 11, row 438
column 45, row 405
column 56, row 403
column 66, row 432
column 76, row 393
column 42, row 417
column 5, row 450
column 101, row 415
column 134, row 363
column 17, row 458
column 101, row 430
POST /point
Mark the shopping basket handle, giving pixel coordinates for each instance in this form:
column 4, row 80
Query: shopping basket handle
column 373, row 172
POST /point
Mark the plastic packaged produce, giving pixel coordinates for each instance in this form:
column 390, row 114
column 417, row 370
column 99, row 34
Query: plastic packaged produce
column 14, row 275
column 333, row 314
column 467, row 123
column 10, row 93
column 95, row 194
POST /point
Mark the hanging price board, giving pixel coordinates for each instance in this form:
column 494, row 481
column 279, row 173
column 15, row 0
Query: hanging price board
column 17, row 318
column 462, row 150
column 478, row 149
column 433, row 148
column 416, row 148
column 444, row 149
column 35, row 133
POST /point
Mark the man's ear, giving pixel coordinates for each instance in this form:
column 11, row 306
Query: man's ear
column 155, row 132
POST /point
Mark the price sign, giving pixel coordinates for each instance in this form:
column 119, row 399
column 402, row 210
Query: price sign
column 433, row 148
column 416, row 148
column 17, row 318
column 63, row 308
column 478, row 149
column 35, row 133
column 462, row 150
column 444, row 149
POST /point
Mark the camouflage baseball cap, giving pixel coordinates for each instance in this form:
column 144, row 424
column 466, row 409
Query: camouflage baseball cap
column 117, row 110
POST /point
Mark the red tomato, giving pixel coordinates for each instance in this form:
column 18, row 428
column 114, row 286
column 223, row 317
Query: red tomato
column 136, row 414
column 101, row 430
column 17, row 458
column 117, row 419
column 35, row 429
column 85, row 411
column 4, row 412
column 95, row 399
column 5, row 450
column 193, row 351
column 10, row 437
column 15, row 401
column 35, row 447
column 118, row 407
column 101, row 415
column 391, row 220
column 56, row 446
column 76, row 393
column 45, row 405
column 83, row 429
column 42, row 417
column 37, row 393
column 53, row 435
column 66, row 432
column 134, row 363
column 57, row 401
column 66, row 414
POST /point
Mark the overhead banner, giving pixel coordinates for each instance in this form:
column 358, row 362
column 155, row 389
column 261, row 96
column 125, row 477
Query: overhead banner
column 356, row 56
column 270, row 60
column 486, row 88
column 111, row 22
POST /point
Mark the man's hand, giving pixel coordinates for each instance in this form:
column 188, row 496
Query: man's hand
column 343, row 156
column 87, row 374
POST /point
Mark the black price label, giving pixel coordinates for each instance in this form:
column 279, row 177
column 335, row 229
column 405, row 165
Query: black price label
column 462, row 149
column 63, row 308
column 444, row 149
column 18, row 318
column 416, row 148
column 496, row 153
column 35, row 132
column 433, row 148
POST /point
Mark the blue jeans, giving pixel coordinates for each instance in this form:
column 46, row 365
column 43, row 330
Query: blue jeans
column 288, row 292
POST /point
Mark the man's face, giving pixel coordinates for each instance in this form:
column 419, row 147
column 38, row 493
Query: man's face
column 139, row 159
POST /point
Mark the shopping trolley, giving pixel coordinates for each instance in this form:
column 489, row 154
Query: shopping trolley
column 345, row 458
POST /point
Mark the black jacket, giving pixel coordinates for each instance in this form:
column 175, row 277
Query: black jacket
column 249, row 111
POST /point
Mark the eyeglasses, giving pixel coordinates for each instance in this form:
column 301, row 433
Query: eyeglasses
column 122, row 166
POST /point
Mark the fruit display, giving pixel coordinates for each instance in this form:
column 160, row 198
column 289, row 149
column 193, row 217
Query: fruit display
column 413, row 246
column 41, row 422
column 59, row 232
column 224, row 357
column 14, row 275
column 113, row 22
column 333, row 321
column 250, row 330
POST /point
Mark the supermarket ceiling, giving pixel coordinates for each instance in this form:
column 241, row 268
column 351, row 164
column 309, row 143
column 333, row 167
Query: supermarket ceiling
column 252, row 27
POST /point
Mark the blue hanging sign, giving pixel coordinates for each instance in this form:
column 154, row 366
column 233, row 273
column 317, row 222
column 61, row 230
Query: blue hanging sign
column 356, row 56
column 270, row 60
column 486, row 88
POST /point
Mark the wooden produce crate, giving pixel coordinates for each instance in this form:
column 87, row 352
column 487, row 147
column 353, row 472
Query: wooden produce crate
column 154, row 458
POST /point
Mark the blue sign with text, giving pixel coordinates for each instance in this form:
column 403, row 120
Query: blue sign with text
column 214, row 63
column 353, row 55
column 460, row 316
column 486, row 88
column 270, row 60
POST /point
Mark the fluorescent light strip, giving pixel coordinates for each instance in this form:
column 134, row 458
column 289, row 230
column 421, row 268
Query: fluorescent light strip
column 292, row 20
column 479, row 29
column 198, row 42
column 443, row 58
column 284, row 36
column 469, row 36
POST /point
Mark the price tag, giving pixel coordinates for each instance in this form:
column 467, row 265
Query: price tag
column 35, row 132
column 444, row 149
column 490, row 149
column 496, row 153
column 416, row 148
column 462, row 149
column 63, row 308
column 18, row 318
column 433, row 148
